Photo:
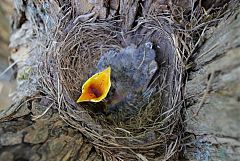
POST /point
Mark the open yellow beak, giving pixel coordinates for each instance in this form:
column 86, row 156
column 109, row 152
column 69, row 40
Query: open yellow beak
column 96, row 88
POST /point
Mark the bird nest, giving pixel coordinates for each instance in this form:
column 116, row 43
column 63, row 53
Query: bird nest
column 153, row 132
column 73, row 52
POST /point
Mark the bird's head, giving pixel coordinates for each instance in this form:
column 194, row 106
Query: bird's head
column 96, row 88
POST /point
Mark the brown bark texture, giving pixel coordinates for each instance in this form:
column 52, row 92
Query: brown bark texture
column 6, row 86
column 212, row 93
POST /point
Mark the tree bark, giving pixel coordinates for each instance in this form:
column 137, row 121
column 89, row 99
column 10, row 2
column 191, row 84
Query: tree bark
column 49, row 138
column 5, row 11
column 5, row 86
column 213, row 95
column 212, row 92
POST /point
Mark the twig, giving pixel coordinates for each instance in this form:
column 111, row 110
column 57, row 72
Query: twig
column 200, row 105
column 203, row 98
column 8, row 68
column 39, row 116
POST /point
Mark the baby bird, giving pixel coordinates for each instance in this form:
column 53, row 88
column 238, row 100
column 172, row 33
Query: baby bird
column 128, row 73
column 96, row 88
column 132, row 70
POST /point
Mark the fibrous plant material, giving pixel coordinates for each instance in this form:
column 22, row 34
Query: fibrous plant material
column 145, row 131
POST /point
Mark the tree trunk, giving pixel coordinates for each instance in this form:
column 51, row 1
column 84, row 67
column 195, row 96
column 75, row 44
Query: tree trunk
column 212, row 90
column 213, row 95
column 5, row 86
column 5, row 11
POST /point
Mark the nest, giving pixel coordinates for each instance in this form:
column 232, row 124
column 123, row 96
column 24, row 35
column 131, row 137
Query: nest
column 73, row 52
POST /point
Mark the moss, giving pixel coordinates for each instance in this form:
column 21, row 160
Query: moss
column 24, row 73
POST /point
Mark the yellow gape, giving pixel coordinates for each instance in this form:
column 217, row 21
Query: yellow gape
column 96, row 88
